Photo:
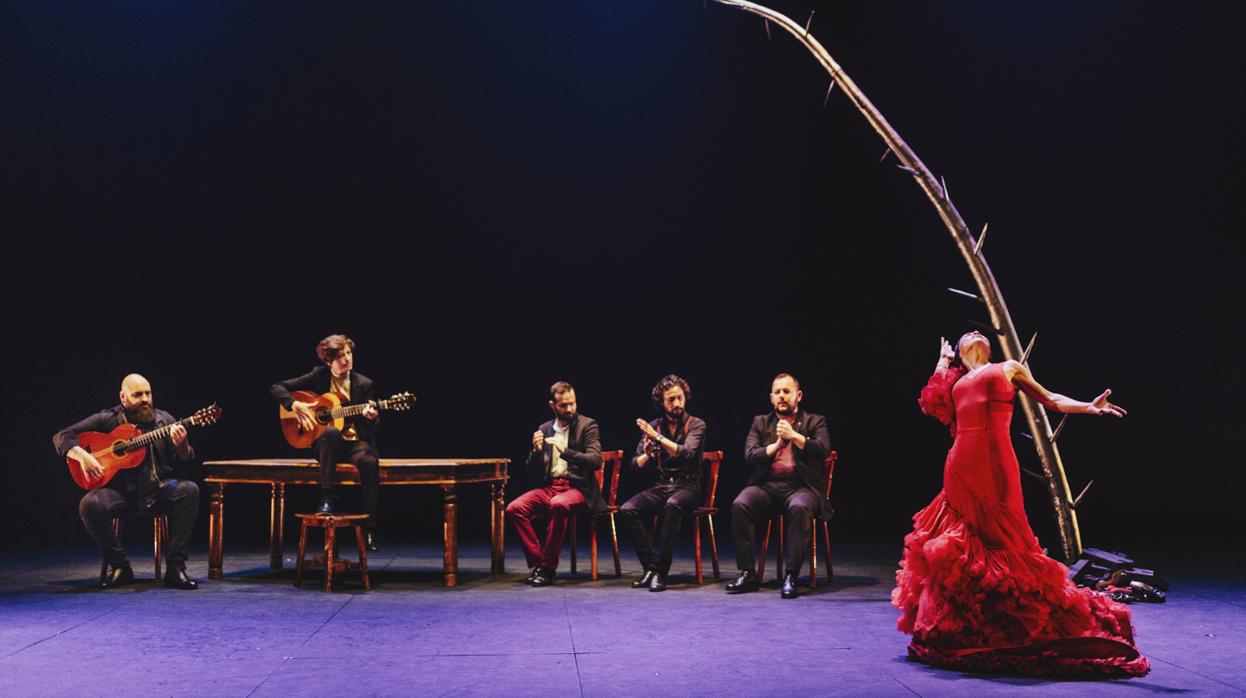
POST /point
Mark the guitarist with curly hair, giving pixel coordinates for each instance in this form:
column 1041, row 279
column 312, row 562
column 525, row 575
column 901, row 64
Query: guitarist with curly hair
column 356, row 441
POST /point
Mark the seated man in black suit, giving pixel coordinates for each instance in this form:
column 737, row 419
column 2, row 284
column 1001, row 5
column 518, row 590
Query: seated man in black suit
column 673, row 443
column 567, row 449
column 786, row 449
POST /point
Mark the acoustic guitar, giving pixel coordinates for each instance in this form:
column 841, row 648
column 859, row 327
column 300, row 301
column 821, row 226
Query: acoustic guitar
column 126, row 446
column 329, row 412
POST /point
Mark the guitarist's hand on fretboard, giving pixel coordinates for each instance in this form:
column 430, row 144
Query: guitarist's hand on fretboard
column 370, row 412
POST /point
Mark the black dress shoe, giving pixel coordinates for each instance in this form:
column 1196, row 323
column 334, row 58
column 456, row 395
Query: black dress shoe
column 745, row 581
column 326, row 506
column 532, row 573
column 658, row 582
column 789, row 587
column 645, row 580
column 369, row 542
column 113, row 576
column 176, row 578
column 543, row 577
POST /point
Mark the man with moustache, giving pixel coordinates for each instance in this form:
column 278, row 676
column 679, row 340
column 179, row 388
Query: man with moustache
column 786, row 449
column 567, row 449
column 356, row 443
column 151, row 486
column 673, row 443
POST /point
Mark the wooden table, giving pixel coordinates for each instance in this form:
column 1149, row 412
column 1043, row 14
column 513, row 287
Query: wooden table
column 279, row 472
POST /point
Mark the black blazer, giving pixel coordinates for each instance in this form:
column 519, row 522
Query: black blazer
column 583, row 457
column 685, row 465
column 317, row 381
column 809, row 460
column 168, row 462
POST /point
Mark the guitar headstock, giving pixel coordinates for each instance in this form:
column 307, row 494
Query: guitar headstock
column 207, row 415
column 400, row 401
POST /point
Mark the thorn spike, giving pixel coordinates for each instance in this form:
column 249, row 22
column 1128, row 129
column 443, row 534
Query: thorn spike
column 1059, row 428
column 884, row 156
column 827, row 98
column 981, row 239
column 767, row 22
column 1028, row 348
column 966, row 294
column 946, row 195
column 1078, row 500
column 1034, row 475
column 809, row 22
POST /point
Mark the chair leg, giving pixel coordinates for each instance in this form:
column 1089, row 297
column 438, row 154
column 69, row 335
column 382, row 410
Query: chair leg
column 298, row 567
column 761, row 557
column 696, row 545
column 826, row 539
column 330, row 546
column 157, row 542
column 778, row 553
column 575, row 538
column 813, row 557
column 363, row 557
column 592, row 546
column 709, row 519
column 614, row 540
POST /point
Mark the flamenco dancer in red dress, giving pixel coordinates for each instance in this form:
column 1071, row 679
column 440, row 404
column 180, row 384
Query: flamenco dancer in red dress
column 975, row 590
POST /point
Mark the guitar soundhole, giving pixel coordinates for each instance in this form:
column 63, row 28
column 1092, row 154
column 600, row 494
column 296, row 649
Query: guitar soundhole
column 119, row 450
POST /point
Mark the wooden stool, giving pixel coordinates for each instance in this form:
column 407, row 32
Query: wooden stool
column 331, row 523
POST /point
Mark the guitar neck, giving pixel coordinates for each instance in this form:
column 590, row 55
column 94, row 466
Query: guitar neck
column 148, row 438
column 157, row 434
column 352, row 410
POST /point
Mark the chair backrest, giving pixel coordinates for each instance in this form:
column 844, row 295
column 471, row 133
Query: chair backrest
column 608, row 457
column 829, row 464
column 714, row 459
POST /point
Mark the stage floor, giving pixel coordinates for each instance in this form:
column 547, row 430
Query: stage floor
column 255, row 634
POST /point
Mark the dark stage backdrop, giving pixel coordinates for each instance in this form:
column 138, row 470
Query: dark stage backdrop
column 490, row 196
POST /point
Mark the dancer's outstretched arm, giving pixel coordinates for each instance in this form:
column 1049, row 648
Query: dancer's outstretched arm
column 1021, row 377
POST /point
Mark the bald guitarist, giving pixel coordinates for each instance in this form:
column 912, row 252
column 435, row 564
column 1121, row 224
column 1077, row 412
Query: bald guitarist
column 356, row 442
column 149, row 487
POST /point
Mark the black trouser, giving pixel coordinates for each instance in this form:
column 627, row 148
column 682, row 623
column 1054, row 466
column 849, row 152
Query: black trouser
column 176, row 499
column 671, row 503
column 755, row 505
column 332, row 448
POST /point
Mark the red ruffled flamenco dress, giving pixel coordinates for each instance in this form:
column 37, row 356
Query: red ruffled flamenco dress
column 975, row 590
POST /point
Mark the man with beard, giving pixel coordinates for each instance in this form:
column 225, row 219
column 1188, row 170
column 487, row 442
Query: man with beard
column 787, row 449
column 568, row 451
column 673, row 443
column 148, row 487
column 356, row 443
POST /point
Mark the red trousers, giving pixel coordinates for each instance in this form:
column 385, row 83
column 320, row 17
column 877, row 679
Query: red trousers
column 557, row 502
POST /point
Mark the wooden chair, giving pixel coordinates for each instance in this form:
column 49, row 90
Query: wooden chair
column 714, row 460
column 612, row 508
column 330, row 523
column 159, row 536
column 829, row 464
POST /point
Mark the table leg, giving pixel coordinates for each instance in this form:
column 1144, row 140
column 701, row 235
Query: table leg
column 216, row 531
column 450, row 536
column 276, row 524
column 497, row 511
